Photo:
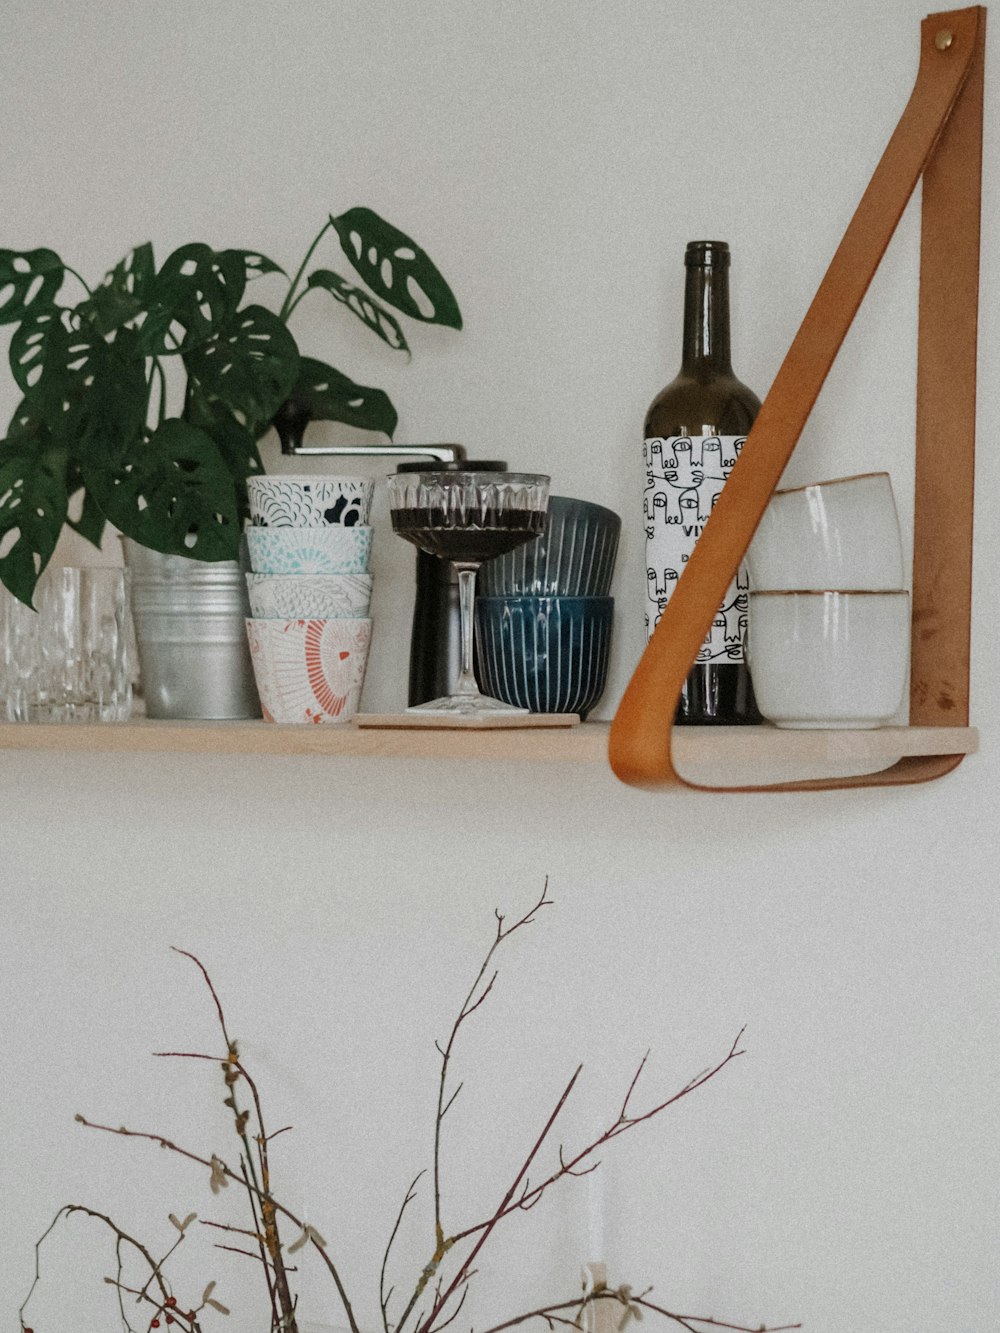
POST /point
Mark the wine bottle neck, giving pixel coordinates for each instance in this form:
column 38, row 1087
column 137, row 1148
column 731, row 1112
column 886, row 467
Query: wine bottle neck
column 706, row 312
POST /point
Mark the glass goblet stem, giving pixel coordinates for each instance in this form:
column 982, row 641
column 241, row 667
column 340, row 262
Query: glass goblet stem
column 466, row 683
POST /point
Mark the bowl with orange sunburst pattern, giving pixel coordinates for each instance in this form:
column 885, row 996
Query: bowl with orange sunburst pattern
column 309, row 671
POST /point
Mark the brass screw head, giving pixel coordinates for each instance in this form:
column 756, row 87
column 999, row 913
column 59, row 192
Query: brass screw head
column 944, row 39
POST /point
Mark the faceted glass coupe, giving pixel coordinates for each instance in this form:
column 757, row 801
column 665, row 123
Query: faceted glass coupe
column 467, row 517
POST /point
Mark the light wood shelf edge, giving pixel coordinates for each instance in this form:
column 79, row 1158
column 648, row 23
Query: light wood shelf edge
column 694, row 748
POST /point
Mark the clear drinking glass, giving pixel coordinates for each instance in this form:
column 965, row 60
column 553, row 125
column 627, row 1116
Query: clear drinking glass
column 467, row 517
column 68, row 660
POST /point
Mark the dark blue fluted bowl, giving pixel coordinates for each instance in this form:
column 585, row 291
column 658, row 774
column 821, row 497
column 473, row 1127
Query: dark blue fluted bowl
column 573, row 557
column 548, row 654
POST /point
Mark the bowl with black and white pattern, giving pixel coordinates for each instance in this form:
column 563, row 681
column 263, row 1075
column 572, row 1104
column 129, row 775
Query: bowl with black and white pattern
column 310, row 502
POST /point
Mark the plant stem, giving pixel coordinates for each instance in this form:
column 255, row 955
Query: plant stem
column 574, row 1165
column 383, row 1294
column 289, row 302
column 79, row 278
column 464, row 1271
column 478, row 993
column 230, row 1174
column 687, row 1321
column 162, row 406
column 122, row 1237
column 471, row 1003
column 295, row 304
column 257, row 1188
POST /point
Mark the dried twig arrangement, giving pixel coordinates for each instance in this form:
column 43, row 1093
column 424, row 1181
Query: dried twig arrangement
column 440, row 1289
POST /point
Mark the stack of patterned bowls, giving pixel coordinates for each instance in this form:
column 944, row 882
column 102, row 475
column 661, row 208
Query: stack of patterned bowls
column 310, row 591
column 543, row 619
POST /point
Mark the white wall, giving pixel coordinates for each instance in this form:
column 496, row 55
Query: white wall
column 553, row 159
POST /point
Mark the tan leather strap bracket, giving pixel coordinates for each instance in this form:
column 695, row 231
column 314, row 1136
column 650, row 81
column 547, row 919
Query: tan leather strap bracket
column 938, row 137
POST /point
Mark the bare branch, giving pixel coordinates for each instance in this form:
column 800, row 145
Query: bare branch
column 123, row 1238
column 236, row 1249
column 557, row 1313
column 566, row 1169
column 265, row 1200
column 208, row 982
column 261, row 1243
column 447, row 1106
column 233, row 1070
column 623, row 1113
column 458, row 1309
column 236, row 1231
column 471, row 1008
column 574, row 1166
column 383, row 1294
column 451, row 1283
column 476, row 996
column 709, row 1322
column 507, row 1205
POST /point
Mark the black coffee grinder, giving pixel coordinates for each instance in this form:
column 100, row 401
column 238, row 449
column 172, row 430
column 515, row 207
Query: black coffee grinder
column 435, row 641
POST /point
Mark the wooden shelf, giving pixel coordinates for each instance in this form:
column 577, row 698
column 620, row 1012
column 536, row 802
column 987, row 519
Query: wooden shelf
column 766, row 752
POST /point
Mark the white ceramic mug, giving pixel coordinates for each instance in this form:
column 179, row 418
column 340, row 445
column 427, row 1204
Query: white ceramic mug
column 829, row 659
column 841, row 534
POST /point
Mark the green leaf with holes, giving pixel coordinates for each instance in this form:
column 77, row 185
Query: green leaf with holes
column 195, row 291
column 235, row 443
column 395, row 267
column 361, row 304
column 256, row 265
column 124, row 293
column 33, row 505
column 249, row 364
column 173, row 494
column 107, row 411
column 39, row 350
column 89, row 391
column 331, row 396
column 90, row 522
column 29, row 279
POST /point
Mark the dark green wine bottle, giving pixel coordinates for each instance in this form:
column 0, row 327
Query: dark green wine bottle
column 695, row 429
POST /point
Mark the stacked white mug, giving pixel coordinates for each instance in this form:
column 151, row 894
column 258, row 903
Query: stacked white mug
column 310, row 591
column 829, row 616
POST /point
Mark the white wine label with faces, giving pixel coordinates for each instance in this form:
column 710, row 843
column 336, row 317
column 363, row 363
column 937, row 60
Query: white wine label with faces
column 685, row 475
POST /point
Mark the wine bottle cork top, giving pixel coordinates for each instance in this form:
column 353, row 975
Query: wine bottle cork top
column 707, row 254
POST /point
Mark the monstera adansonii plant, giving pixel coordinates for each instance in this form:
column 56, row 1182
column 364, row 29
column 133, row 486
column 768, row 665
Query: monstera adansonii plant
column 93, row 440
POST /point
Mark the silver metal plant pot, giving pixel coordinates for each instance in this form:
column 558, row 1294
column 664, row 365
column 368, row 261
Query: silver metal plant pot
column 189, row 616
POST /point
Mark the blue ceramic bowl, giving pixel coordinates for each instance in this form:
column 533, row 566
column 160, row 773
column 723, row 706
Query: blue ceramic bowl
column 548, row 654
column 574, row 556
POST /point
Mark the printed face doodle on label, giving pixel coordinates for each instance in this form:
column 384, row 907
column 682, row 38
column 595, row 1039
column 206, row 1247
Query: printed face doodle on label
column 684, row 479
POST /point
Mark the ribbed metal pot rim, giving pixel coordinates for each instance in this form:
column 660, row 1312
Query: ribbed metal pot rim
column 195, row 578
column 147, row 563
column 172, row 594
column 145, row 613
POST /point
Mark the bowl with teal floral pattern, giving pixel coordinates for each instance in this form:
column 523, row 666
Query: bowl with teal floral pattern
column 331, row 550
